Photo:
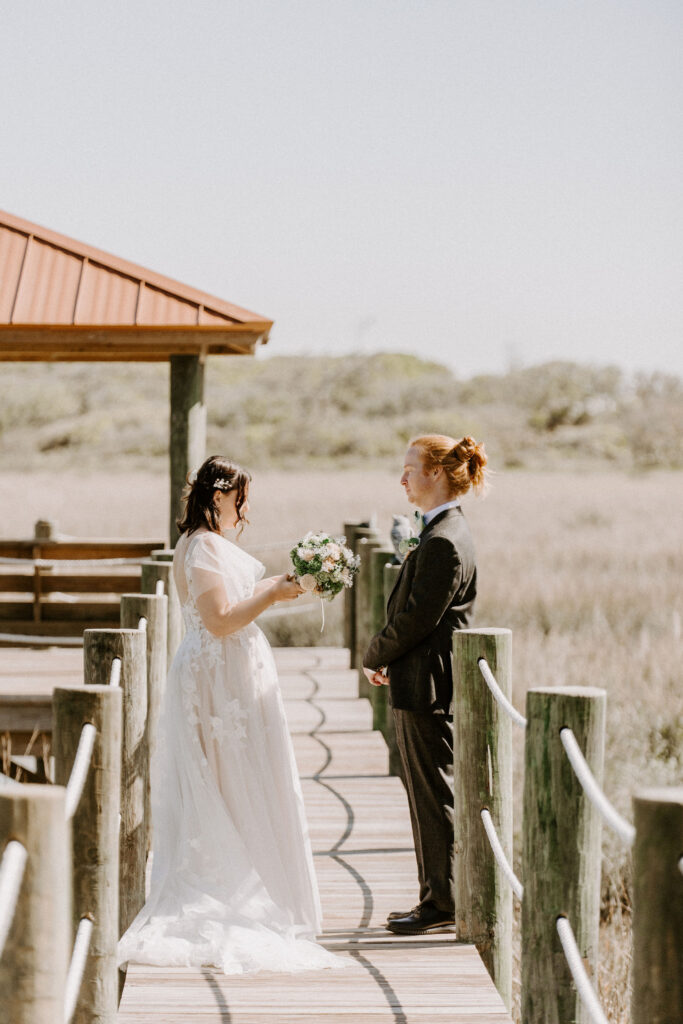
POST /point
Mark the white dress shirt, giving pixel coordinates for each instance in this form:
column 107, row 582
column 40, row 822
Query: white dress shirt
column 428, row 516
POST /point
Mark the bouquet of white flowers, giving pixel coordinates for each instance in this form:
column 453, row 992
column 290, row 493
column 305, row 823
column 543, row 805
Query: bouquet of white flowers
column 323, row 565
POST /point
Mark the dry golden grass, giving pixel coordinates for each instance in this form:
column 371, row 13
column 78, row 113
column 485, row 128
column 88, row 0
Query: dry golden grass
column 585, row 569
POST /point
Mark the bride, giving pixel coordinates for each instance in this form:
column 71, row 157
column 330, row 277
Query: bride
column 232, row 883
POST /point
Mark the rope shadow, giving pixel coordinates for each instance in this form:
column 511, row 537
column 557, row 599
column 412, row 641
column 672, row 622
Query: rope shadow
column 387, row 990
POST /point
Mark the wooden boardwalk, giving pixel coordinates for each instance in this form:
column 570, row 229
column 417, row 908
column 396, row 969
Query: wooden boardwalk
column 365, row 863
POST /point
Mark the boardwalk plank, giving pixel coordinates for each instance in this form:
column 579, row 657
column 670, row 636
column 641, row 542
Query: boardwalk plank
column 357, row 814
column 324, row 716
column 341, row 753
column 400, row 983
column 364, row 861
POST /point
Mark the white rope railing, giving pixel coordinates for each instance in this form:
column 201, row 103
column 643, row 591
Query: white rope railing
column 81, row 767
column 12, row 868
column 578, row 971
column 40, row 641
column 142, row 623
column 115, row 674
column 499, row 854
column 160, row 588
column 495, row 689
column 623, row 828
column 74, row 976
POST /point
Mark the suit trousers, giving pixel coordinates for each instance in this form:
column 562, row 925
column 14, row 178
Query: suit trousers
column 425, row 745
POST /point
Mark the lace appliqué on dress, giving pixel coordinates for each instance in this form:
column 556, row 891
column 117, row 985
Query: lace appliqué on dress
column 231, row 725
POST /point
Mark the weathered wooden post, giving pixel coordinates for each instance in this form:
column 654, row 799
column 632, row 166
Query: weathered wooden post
column 379, row 557
column 95, row 836
column 154, row 570
column 162, row 554
column 482, row 742
column 153, row 609
column 390, row 577
column 658, row 907
column 188, row 427
column 45, row 529
column 358, row 535
column 100, row 647
column 36, row 956
column 363, row 584
column 349, row 593
column 561, row 849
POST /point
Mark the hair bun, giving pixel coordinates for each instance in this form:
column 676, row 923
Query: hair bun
column 465, row 449
column 473, row 455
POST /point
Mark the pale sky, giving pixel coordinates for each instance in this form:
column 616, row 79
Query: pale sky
column 483, row 182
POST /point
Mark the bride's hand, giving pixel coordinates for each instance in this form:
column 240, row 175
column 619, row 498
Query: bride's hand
column 285, row 588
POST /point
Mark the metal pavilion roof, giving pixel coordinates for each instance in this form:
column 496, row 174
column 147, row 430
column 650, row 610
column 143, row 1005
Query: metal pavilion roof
column 61, row 300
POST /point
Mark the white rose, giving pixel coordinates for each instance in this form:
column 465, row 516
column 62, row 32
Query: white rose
column 333, row 551
column 307, row 582
column 307, row 555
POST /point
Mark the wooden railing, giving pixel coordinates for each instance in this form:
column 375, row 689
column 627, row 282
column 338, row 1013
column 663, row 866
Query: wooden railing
column 75, row 852
column 108, row 837
column 56, row 588
column 564, row 738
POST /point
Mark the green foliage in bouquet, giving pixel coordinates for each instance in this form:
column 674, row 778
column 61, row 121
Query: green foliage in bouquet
column 323, row 565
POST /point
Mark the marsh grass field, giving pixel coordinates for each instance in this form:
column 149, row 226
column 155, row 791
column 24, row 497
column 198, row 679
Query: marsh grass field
column 585, row 568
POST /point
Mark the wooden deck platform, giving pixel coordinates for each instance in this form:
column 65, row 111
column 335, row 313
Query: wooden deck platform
column 365, row 863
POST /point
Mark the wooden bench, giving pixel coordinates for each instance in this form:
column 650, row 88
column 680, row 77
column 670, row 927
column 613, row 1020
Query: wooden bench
column 62, row 590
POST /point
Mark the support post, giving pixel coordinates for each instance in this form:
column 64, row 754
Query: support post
column 379, row 557
column 187, row 441
column 153, row 570
column 390, row 577
column 95, row 837
column 482, row 773
column 363, row 584
column 155, row 610
column 100, row 647
column 561, row 850
column 36, row 956
column 359, row 533
column 658, row 907
column 45, row 529
column 162, row 554
column 349, row 592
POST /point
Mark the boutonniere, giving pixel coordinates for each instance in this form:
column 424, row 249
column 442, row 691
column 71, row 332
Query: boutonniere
column 409, row 543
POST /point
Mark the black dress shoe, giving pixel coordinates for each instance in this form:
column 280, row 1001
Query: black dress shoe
column 421, row 920
column 396, row 914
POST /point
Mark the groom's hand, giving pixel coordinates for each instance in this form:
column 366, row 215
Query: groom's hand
column 376, row 676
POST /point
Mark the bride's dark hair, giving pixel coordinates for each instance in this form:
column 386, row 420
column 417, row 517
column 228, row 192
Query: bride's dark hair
column 215, row 474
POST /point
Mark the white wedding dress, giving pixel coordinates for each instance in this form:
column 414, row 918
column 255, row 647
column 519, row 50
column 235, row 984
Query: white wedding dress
column 232, row 882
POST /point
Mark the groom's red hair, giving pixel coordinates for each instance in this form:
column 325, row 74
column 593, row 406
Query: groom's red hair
column 462, row 461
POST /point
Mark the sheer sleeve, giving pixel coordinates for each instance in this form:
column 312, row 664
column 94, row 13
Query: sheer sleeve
column 204, row 566
column 207, row 581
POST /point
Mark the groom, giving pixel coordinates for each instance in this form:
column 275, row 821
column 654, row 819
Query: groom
column 433, row 597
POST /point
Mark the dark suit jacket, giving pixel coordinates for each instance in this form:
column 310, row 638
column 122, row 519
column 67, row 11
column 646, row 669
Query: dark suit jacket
column 433, row 596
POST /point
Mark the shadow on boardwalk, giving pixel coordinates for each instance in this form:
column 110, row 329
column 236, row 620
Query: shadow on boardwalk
column 360, row 831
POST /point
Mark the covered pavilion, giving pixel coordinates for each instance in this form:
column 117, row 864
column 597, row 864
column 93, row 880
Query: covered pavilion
column 63, row 301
